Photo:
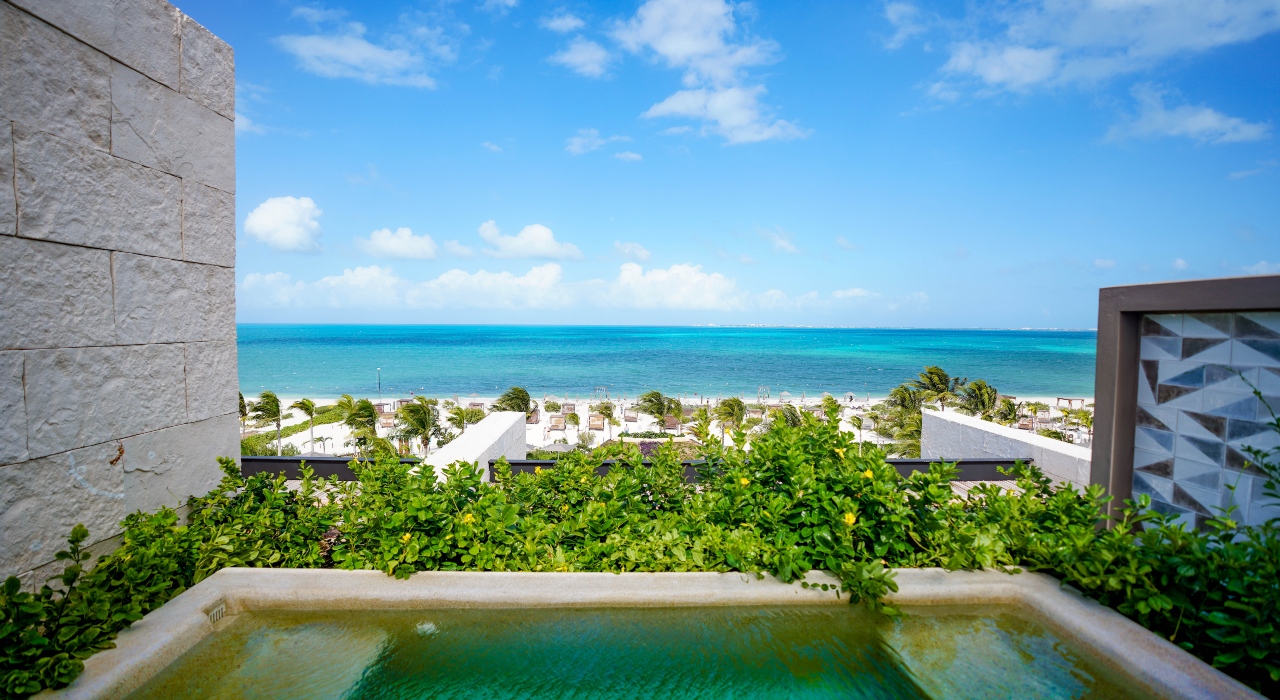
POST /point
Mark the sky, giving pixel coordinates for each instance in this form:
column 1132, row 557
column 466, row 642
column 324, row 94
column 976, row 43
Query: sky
column 824, row 163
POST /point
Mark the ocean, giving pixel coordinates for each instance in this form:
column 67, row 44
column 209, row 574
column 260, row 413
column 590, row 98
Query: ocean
column 326, row 361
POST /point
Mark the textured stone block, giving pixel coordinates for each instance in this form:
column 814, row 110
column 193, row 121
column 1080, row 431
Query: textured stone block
column 72, row 194
column 212, row 379
column 208, row 225
column 208, row 69
column 84, row 396
column 167, row 467
column 53, row 82
column 42, row 499
column 161, row 128
column 169, row 301
column 55, row 296
column 8, row 198
column 140, row 33
column 13, row 410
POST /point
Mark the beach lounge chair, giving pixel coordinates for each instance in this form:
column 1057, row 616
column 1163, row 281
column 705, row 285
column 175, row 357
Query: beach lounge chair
column 387, row 420
column 630, row 416
column 567, row 408
column 688, row 411
column 532, row 417
column 595, row 422
column 557, row 423
column 755, row 413
column 670, row 422
column 476, row 404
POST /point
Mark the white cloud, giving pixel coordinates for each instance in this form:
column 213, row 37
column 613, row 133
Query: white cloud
column 384, row 243
column 702, row 39
column 1263, row 268
column 539, row 288
column 589, row 140
column 846, row 244
column 533, row 241
column 286, row 223
column 458, row 249
column 584, row 57
column 853, row 293
column 1104, row 264
column 316, row 15
column 1201, row 123
column 491, row 147
column 562, row 22
column 1179, row 264
column 628, row 155
column 403, row 60
column 733, row 113
column 677, row 130
column 1017, row 46
column 270, row 290
column 781, row 240
column 635, row 251
column 682, row 286
column 906, row 22
column 245, row 125
column 1263, row 166
column 500, row 7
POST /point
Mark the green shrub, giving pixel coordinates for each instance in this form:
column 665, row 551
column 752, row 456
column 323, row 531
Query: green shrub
column 802, row 498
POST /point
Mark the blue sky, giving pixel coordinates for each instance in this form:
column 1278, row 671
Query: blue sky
column 697, row 161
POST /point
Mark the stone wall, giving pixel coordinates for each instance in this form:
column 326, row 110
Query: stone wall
column 498, row 435
column 1197, row 413
column 950, row 435
column 117, row 264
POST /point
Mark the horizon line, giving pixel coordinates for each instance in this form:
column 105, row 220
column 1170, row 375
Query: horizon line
column 697, row 325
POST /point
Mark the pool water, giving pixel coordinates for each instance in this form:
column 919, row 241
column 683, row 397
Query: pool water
column 714, row 652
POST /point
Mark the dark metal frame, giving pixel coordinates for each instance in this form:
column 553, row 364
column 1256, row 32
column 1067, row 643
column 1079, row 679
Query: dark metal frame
column 1120, row 312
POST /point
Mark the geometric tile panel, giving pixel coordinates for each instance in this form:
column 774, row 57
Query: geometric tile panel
column 1197, row 413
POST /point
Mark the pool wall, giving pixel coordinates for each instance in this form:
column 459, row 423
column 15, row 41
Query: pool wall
column 1152, row 663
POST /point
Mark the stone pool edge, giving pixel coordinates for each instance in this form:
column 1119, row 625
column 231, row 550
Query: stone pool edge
column 166, row 633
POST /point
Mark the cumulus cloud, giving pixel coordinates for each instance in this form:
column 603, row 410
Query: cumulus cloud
column 853, row 293
column 562, row 22
column 628, row 155
column 458, row 249
column 401, row 243
column 1020, row 46
column 286, row 223
column 1180, row 264
column 702, row 39
column 1262, row 267
column 588, row 140
column 584, row 57
column 635, row 251
column 245, row 125
column 682, row 286
column 1200, row 123
column 403, row 58
column 499, row 7
column 539, row 288
column 533, row 241
column 1104, row 263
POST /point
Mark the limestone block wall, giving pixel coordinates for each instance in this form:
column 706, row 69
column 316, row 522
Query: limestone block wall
column 117, row 264
column 950, row 435
column 498, row 435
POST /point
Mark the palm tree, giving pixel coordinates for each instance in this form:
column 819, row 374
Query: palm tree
column 856, row 421
column 322, row 440
column 653, row 403
column 605, row 408
column 244, row 414
column 979, row 399
column 572, row 419
column 730, row 411
column 361, row 414
column 786, row 414
column 308, row 408
column 266, row 410
column 419, row 420
column 460, row 417
column 515, row 399
column 1034, row 408
column 935, row 384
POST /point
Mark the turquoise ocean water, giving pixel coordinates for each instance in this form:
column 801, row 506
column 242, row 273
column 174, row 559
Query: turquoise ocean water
column 323, row 361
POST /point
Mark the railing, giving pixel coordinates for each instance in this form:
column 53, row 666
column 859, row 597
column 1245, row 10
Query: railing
column 970, row 469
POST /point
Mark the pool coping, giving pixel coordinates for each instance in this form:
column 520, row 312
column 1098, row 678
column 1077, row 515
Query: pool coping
column 158, row 639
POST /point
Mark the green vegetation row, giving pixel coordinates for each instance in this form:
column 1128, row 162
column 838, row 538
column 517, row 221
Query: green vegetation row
column 263, row 443
column 803, row 497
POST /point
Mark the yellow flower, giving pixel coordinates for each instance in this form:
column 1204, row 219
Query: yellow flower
column 564, row 509
column 744, row 481
column 467, row 519
column 869, row 474
column 404, row 539
column 840, row 451
column 850, row 519
column 537, row 470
